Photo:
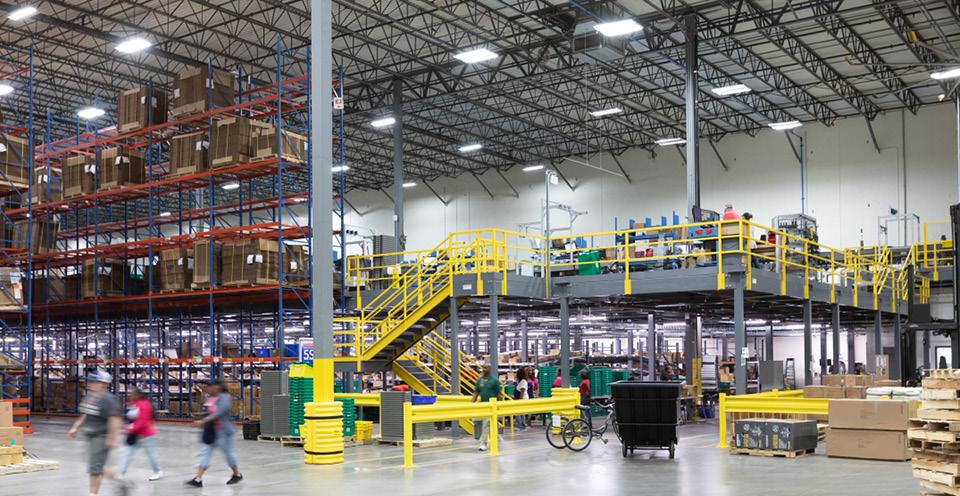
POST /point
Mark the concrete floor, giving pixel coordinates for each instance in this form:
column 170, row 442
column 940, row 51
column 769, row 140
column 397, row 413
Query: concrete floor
column 528, row 465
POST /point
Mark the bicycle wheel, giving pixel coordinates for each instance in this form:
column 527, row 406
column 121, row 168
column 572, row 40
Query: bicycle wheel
column 555, row 434
column 577, row 435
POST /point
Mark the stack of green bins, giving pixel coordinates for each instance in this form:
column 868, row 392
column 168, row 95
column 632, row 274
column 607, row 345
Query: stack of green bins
column 599, row 381
column 301, row 393
column 620, row 375
column 337, row 385
column 349, row 417
column 546, row 375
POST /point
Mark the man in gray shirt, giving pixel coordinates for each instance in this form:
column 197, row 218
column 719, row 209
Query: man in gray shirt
column 101, row 423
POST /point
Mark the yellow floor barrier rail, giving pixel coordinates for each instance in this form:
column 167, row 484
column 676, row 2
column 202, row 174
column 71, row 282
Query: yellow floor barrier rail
column 360, row 399
column 771, row 402
column 457, row 409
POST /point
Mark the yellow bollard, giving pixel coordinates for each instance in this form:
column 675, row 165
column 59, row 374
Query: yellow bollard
column 494, row 429
column 722, row 417
column 323, row 433
column 407, row 435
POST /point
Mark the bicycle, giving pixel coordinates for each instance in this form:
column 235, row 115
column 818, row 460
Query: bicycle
column 576, row 434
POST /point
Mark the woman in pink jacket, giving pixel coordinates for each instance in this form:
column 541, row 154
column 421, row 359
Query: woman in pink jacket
column 141, row 432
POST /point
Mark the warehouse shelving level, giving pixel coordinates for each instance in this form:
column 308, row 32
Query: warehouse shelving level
column 147, row 337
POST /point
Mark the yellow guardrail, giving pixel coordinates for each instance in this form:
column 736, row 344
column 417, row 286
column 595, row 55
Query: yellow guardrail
column 936, row 249
column 563, row 401
column 360, row 399
column 778, row 402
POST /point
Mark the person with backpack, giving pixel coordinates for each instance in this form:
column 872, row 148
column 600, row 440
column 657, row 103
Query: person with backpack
column 217, row 433
column 141, row 433
column 521, row 392
column 101, row 425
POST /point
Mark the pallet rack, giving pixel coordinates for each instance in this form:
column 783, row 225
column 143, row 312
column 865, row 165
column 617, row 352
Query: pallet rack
column 169, row 342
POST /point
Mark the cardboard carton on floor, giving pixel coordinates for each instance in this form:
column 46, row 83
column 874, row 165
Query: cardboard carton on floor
column 890, row 415
column 11, row 436
column 832, row 380
column 855, row 392
column 867, row 444
column 823, row 392
column 6, row 414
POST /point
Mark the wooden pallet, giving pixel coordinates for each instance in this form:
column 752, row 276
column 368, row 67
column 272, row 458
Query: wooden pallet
column 420, row 443
column 29, row 465
column 223, row 162
column 291, row 441
column 950, row 481
column 760, row 452
column 269, row 439
column 945, row 431
column 945, row 447
column 286, row 158
column 950, row 468
column 822, row 431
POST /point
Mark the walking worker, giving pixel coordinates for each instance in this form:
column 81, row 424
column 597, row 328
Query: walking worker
column 522, row 392
column 488, row 387
column 141, row 433
column 100, row 420
column 217, row 433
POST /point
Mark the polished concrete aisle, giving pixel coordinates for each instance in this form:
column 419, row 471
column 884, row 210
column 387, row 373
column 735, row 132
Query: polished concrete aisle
column 528, row 465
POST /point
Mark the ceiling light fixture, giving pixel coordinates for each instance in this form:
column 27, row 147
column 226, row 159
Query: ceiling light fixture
column 133, row 45
column 785, row 126
column 471, row 147
column 475, row 56
column 532, row 168
column 606, row 112
column 670, row 141
column 339, row 168
column 230, row 186
column 90, row 113
column 383, row 122
column 618, row 28
column 22, row 13
column 165, row 214
column 409, row 184
column 5, row 89
column 947, row 74
column 734, row 89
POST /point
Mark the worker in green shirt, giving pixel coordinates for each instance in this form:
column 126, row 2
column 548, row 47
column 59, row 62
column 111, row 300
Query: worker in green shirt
column 488, row 386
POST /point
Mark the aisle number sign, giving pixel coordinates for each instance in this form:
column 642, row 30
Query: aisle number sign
column 306, row 350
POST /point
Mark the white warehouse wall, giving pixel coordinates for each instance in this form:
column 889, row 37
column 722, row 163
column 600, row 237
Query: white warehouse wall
column 850, row 184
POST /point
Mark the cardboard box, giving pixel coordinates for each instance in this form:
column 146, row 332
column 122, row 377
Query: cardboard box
column 121, row 167
column 38, row 235
column 138, row 108
column 891, row 415
column 775, row 434
column 867, row 444
column 197, row 90
column 11, row 436
column 11, row 292
column 887, row 383
column 176, row 269
column 6, row 414
column 47, row 186
column 103, row 277
column 855, row 392
column 265, row 145
column 832, row 380
column 250, row 262
column 202, row 273
column 295, row 265
column 79, row 176
column 11, row 455
column 14, row 155
column 232, row 141
column 823, row 392
column 189, row 153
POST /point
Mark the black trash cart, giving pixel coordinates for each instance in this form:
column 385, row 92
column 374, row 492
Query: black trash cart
column 646, row 414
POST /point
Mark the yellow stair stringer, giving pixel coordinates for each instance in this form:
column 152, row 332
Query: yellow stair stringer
column 420, row 312
column 422, row 388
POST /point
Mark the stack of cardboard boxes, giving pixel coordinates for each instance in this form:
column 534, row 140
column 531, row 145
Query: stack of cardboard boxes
column 11, row 438
column 840, row 386
column 78, row 176
column 198, row 90
column 935, row 435
column 781, row 435
column 103, row 277
column 14, row 154
column 250, row 262
column 189, row 153
column 870, row 429
column 138, row 108
column 121, row 167
column 176, row 269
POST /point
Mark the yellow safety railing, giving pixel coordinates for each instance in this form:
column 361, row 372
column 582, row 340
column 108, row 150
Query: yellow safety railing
column 432, row 355
column 563, row 402
column 936, row 249
column 771, row 402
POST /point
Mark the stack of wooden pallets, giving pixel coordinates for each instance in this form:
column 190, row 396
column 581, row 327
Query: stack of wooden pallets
column 935, row 435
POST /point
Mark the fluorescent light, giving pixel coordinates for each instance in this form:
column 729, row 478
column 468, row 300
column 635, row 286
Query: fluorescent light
column 470, row 148
column 618, row 28
column 230, row 186
column 475, row 56
column 22, row 13
column 133, row 45
column 165, row 214
column 670, row 141
column 784, row 126
column 531, row 168
column 5, row 89
column 91, row 113
column 947, row 74
column 734, row 89
column 606, row 112
column 409, row 184
column 339, row 168
column 383, row 122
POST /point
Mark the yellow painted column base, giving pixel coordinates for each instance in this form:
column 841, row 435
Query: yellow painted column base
column 323, row 433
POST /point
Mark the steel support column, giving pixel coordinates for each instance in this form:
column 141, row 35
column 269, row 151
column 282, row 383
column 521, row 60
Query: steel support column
column 454, row 325
column 693, row 130
column 897, row 366
column 691, row 342
column 740, row 340
column 807, row 343
column 630, row 350
column 494, row 333
column 877, row 342
column 768, row 351
column 565, row 341
column 524, row 341
column 835, row 327
column 398, row 164
column 652, row 347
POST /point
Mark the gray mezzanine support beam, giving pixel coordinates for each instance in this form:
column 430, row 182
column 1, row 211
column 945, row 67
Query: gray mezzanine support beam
column 565, row 341
column 652, row 347
column 398, row 179
column 835, row 329
column 740, row 340
column 692, row 117
column 494, row 341
column 807, row 342
column 454, row 325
